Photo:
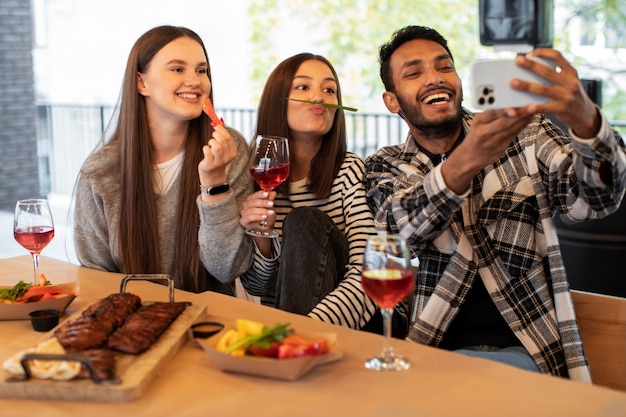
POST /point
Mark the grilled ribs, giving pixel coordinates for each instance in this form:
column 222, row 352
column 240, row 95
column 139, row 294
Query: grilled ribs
column 93, row 327
column 143, row 327
column 117, row 322
column 103, row 363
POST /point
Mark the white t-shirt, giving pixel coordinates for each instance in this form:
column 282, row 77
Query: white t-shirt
column 165, row 173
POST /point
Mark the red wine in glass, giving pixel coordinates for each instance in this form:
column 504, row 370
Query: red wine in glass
column 269, row 178
column 33, row 228
column 387, row 287
column 269, row 168
column 34, row 239
column 387, row 278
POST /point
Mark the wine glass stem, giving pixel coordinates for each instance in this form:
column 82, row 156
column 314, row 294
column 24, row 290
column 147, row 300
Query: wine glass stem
column 387, row 314
column 263, row 223
column 36, row 268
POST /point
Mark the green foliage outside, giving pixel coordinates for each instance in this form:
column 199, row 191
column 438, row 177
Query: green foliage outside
column 610, row 17
column 348, row 33
column 351, row 32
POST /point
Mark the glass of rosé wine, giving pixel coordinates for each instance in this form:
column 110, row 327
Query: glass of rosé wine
column 33, row 228
column 269, row 168
column 387, row 278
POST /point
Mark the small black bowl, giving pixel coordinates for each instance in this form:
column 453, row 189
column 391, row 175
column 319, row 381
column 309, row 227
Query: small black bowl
column 206, row 329
column 44, row 320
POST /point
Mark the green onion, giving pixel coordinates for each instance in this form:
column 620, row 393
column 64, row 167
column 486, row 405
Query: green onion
column 276, row 333
column 332, row 106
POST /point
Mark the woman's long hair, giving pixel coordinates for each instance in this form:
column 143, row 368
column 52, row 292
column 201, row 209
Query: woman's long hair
column 272, row 120
column 139, row 232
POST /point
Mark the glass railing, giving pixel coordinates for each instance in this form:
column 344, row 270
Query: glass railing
column 68, row 133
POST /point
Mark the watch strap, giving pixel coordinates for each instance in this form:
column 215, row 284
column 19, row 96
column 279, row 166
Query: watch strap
column 214, row 189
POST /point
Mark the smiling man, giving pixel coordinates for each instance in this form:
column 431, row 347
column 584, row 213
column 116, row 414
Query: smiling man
column 474, row 195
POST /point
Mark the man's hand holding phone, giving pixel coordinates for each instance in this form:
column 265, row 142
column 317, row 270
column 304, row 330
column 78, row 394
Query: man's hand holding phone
column 491, row 84
column 542, row 81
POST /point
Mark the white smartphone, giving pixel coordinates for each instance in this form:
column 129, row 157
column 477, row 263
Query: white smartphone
column 489, row 81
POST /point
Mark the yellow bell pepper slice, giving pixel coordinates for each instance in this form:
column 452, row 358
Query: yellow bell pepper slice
column 252, row 328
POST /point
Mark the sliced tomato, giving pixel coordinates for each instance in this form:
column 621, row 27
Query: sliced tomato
column 317, row 347
column 286, row 351
column 296, row 347
column 292, row 339
column 269, row 352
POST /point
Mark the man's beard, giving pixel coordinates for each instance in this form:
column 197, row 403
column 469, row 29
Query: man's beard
column 430, row 128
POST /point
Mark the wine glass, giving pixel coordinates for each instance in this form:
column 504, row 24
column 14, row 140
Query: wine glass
column 387, row 278
column 269, row 168
column 33, row 228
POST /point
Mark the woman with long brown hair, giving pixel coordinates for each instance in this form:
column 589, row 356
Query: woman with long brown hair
column 314, row 267
column 140, row 198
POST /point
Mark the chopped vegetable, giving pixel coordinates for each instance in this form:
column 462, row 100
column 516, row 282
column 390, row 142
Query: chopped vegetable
column 37, row 293
column 265, row 339
column 269, row 352
column 252, row 328
column 230, row 338
column 332, row 106
column 210, row 111
column 255, row 339
column 295, row 347
column 14, row 292
column 24, row 292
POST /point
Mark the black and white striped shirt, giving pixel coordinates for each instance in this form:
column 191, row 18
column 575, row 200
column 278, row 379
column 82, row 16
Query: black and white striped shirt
column 346, row 205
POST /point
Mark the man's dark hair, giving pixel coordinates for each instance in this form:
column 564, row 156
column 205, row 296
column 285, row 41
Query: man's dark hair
column 399, row 38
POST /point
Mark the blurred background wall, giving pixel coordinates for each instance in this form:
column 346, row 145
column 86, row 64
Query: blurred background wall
column 19, row 169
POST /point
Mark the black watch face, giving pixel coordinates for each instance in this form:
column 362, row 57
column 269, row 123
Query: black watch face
column 219, row 189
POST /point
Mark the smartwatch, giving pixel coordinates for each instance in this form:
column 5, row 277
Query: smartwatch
column 215, row 189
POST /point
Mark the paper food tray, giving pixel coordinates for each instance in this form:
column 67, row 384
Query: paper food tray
column 285, row 369
column 20, row 311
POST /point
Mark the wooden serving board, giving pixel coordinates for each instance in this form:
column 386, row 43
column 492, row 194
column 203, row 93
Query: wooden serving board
column 134, row 371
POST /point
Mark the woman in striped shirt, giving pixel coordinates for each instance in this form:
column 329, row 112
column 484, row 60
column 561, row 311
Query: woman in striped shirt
column 314, row 267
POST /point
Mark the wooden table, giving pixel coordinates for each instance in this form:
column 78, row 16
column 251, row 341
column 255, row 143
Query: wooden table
column 439, row 383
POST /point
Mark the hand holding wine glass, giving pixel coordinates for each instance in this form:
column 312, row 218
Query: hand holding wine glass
column 33, row 228
column 387, row 278
column 269, row 168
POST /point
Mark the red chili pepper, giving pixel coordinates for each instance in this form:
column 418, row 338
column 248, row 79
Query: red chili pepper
column 209, row 111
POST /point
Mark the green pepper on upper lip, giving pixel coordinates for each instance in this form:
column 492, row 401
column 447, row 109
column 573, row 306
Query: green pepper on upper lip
column 332, row 106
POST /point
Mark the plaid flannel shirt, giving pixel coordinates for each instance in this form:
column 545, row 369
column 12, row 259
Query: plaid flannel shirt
column 500, row 231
